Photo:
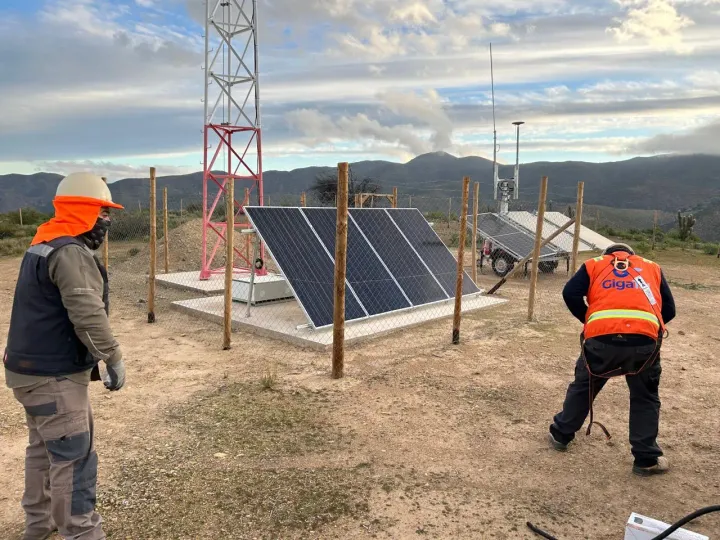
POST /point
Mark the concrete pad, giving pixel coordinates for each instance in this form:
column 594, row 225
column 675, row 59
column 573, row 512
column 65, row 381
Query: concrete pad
column 286, row 321
column 190, row 281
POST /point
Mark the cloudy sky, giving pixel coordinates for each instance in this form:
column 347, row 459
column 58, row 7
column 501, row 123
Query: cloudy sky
column 117, row 86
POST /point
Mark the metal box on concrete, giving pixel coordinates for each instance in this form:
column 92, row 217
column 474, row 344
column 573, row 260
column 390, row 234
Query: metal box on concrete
column 268, row 288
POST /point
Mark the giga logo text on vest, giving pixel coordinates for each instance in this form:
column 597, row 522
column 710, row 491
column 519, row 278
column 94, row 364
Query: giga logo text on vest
column 617, row 284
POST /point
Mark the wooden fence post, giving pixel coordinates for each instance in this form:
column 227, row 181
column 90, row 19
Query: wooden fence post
column 21, row 219
column 246, row 202
column 476, row 208
column 106, row 243
column 578, row 225
column 166, row 245
column 395, row 196
column 338, row 359
column 153, row 246
column 536, row 251
column 655, row 224
column 449, row 210
column 229, row 260
column 303, row 200
column 461, row 263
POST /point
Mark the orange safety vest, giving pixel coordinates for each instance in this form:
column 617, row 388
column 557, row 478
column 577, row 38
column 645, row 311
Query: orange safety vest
column 624, row 302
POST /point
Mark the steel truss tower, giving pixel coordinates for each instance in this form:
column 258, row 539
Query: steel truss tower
column 232, row 135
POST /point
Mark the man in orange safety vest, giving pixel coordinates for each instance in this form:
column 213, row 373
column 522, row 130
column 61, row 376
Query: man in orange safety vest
column 628, row 305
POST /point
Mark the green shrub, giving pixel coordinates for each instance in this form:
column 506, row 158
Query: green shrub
column 710, row 249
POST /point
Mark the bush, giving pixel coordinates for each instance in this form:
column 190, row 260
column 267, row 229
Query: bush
column 13, row 247
column 710, row 249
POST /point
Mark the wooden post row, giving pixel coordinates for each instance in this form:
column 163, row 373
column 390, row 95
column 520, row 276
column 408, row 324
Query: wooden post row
column 578, row 225
column 338, row 358
column 166, row 240
column 153, row 247
column 229, row 260
column 476, row 209
column 460, row 263
column 536, row 251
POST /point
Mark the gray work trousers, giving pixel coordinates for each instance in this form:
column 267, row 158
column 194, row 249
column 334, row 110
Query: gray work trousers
column 60, row 461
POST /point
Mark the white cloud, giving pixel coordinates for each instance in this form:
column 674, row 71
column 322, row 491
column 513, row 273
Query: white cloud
column 656, row 22
column 111, row 170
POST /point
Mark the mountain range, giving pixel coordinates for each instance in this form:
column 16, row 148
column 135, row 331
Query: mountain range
column 667, row 183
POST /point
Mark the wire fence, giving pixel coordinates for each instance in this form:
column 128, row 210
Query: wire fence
column 401, row 269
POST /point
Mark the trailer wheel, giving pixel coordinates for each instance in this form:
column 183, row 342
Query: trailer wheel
column 502, row 264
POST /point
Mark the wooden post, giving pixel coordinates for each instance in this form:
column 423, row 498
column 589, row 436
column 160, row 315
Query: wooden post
column 410, row 201
column 449, row 210
column 229, row 259
column 521, row 263
column 597, row 218
column 655, row 224
column 303, row 199
column 476, row 207
column 181, row 210
column 246, row 202
column 536, row 252
column 106, row 242
column 153, row 247
column 21, row 219
column 165, row 231
column 395, row 195
column 338, row 359
column 460, row 263
column 578, row 225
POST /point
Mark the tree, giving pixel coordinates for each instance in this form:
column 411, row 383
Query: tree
column 325, row 187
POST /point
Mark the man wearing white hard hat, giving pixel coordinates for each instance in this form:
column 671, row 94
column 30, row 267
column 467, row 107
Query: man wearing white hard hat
column 59, row 333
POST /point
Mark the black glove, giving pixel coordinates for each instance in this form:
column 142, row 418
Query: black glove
column 115, row 378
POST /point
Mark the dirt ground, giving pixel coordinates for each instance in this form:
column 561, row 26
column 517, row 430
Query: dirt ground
column 420, row 439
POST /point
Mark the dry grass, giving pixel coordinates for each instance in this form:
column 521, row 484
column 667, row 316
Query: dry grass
column 233, row 471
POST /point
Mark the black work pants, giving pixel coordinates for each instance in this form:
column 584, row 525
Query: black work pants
column 644, row 410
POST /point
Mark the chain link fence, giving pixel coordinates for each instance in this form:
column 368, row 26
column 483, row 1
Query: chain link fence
column 401, row 272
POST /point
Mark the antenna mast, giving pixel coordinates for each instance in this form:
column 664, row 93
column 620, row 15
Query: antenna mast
column 505, row 188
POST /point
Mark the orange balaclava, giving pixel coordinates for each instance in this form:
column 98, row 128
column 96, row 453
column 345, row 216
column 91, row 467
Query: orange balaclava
column 73, row 217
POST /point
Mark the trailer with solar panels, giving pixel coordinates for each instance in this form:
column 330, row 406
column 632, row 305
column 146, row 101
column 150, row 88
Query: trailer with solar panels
column 506, row 243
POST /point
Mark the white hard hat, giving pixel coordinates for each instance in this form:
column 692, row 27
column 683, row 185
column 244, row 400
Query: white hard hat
column 84, row 184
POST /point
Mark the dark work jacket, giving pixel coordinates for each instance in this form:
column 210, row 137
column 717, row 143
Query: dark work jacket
column 42, row 339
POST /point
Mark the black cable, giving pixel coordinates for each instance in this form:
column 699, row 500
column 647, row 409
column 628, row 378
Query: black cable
column 687, row 519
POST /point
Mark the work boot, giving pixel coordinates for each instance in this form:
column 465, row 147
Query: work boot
column 661, row 467
column 557, row 445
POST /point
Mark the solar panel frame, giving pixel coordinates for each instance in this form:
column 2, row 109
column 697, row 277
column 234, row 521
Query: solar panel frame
column 317, row 238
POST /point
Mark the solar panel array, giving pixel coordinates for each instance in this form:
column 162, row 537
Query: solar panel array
column 395, row 260
column 514, row 239
column 563, row 241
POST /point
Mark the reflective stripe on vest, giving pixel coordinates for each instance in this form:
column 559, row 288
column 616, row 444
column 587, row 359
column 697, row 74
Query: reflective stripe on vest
column 623, row 314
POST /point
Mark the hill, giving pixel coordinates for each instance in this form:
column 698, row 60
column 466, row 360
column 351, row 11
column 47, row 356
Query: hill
column 665, row 183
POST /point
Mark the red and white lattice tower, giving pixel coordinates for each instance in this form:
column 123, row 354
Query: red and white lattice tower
column 233, row 141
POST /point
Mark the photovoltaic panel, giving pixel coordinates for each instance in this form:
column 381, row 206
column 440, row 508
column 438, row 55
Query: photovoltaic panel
column 404, row 264
column 371, row 282
column 431, row 249
column 564, row 241
column 306, row 265
column 393, row 263
column 517, row 241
